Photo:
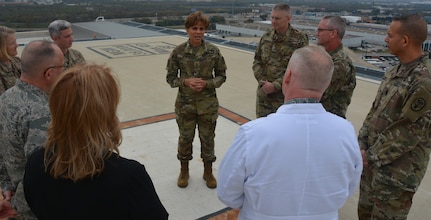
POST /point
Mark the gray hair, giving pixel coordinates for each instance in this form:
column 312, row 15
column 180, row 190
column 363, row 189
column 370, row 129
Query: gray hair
column 57, row 26
column 337, row 23
column 282, row 7
column 313, row 66
column 36, row 54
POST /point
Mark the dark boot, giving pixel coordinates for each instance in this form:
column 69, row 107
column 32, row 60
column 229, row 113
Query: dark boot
column 208, row 175
column 183, row 179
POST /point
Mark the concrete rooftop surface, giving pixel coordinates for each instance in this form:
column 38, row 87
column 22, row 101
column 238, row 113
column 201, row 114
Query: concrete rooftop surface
column 150, row 132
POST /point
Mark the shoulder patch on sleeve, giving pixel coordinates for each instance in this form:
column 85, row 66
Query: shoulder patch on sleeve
column 418, row 103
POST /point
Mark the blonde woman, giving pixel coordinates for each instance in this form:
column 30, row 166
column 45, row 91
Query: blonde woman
column 10, row 64
column 79, row 174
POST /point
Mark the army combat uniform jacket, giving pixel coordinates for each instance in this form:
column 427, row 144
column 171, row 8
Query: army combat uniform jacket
column 270, row 61
column 72, row 57
column 273, row 54
column 396, row 132
column 9, row 73
column 204, row 61
column 338, row 95
column 24, row 119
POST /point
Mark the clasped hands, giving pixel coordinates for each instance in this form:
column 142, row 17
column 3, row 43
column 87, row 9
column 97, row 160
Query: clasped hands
column 196, row 84
column 6, row 210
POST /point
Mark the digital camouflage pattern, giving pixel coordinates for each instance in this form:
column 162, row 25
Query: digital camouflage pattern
column 338, row 95
column 191, row 107
column 9, row 73
column 24, row 119
column 72, row 57
column 270, row 61
column 381, row 200
column 396, row 135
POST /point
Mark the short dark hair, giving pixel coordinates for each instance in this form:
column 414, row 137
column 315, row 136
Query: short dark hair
column 196, row 17
column 282, row 7
column 414, row 26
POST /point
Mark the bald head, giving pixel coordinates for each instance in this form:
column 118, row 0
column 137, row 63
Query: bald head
column 41, row 62
column 308, row 73
column 36, row 56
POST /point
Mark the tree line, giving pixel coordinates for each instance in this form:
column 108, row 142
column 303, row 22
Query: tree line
column 168, row 13
column 39, row 16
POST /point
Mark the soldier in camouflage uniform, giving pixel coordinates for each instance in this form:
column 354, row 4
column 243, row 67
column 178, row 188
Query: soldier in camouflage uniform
column 62, row 35
column 271, row 58
column 197, row 68
column 24, row 117
column 338, row 95
column 395, row 138
column 10, row 64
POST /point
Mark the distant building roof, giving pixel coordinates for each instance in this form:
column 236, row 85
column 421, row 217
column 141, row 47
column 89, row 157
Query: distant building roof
column 116, row 30
column 352, row 19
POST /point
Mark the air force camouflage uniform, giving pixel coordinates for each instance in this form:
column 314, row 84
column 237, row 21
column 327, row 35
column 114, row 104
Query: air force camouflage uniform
column 191, row 107
column 9, row 73
column 270, row 61
column 24, row 118
column 72, row 57
column 396, row 136
column 338, row 95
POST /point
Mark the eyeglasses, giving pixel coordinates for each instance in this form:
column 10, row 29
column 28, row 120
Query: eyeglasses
column 50, row 67
column 324, row 29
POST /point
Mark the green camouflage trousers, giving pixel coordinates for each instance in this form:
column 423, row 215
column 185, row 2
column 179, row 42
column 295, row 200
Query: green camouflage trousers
column 379, row 200
column 267, row 104
column 206, row 124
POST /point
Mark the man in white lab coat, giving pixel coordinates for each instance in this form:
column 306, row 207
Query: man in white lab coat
column 301, row 162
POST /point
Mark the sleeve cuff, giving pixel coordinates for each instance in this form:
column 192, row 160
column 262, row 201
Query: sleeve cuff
column 277, row 86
